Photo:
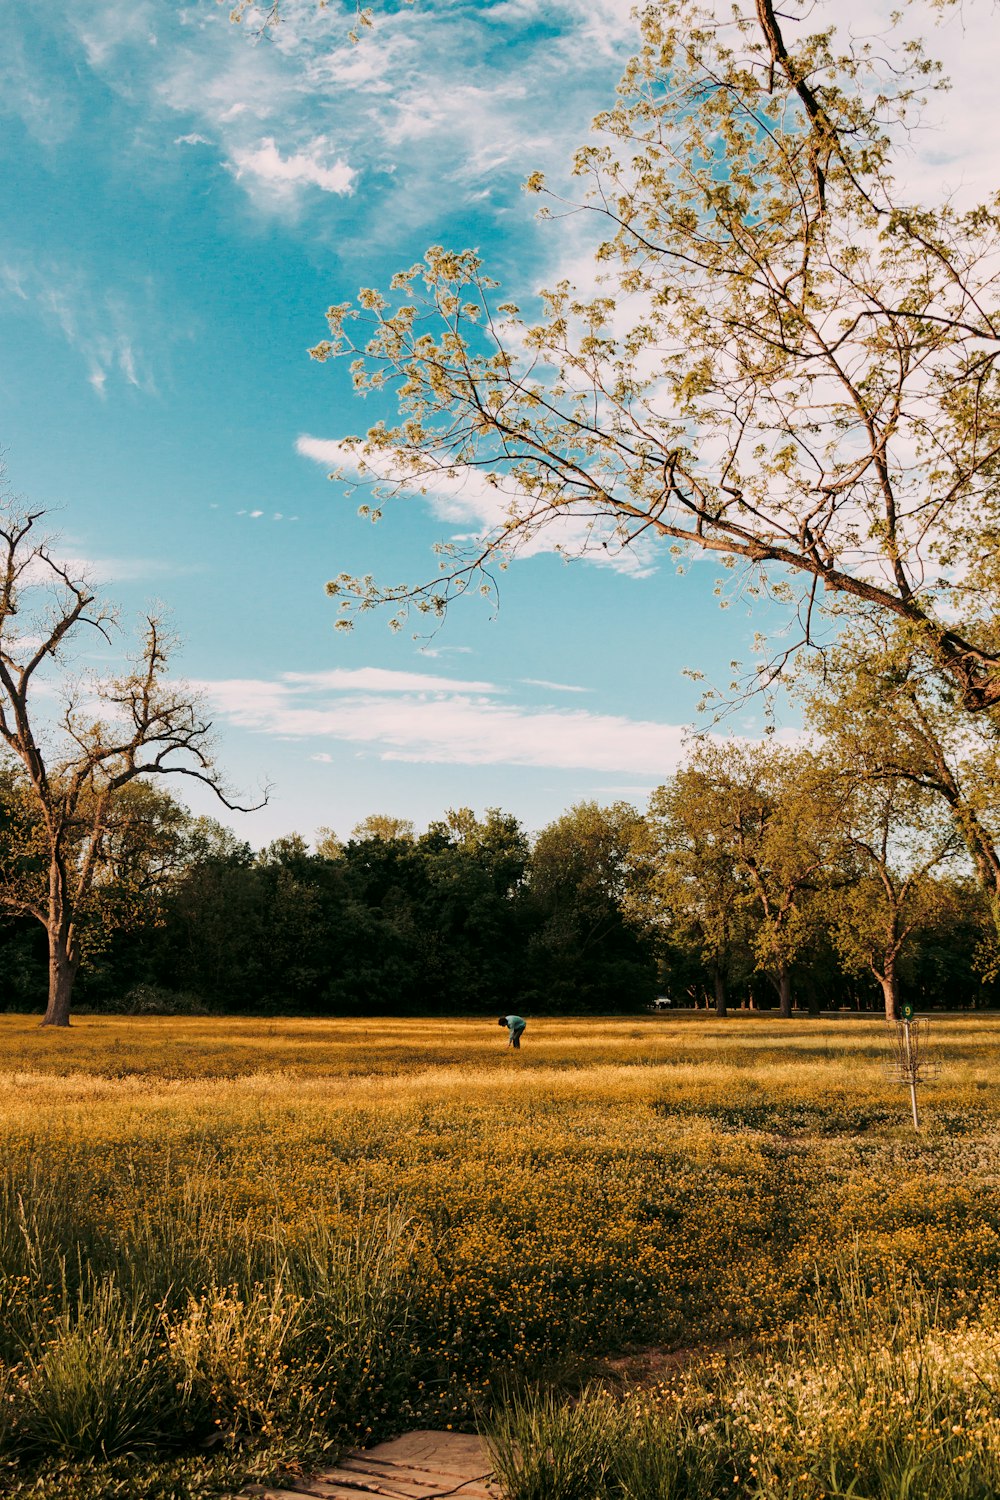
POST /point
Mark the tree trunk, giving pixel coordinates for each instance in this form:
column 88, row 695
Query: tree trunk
column 718, row 979
column 784, row 992
column 890, row 989
column 62, row 974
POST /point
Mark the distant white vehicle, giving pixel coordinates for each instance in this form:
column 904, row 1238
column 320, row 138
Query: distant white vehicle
column 662, row 1002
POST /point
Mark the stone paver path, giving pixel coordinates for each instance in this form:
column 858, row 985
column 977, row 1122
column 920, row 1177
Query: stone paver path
column 418, row 1466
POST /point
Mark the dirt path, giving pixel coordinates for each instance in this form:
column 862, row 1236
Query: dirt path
column 417, row 1466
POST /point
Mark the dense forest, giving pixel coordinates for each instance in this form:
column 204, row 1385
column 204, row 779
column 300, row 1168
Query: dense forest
column 748, row 881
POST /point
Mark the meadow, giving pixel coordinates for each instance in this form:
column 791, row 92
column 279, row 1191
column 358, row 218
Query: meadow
column 231, row 1247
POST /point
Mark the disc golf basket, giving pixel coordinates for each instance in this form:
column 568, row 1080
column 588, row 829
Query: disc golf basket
column 909, row 1061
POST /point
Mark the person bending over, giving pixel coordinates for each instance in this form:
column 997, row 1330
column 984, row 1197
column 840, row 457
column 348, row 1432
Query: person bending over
column 515, row 1026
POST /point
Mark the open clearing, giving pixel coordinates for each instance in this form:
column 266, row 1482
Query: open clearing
column 322, row 1232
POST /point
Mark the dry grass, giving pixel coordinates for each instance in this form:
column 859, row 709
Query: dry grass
column 619, row 1182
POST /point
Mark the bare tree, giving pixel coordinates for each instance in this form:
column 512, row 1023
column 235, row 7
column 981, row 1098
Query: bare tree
column 107, row 732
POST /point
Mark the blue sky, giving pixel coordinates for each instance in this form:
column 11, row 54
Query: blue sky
column 181, row 201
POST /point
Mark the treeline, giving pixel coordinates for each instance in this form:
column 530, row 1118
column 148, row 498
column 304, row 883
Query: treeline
column 756, row 877
column 467, row 916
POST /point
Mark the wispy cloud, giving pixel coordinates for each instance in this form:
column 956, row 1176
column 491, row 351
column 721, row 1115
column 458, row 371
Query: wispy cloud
column 101, row 324
column 435, row 651
column 258, row 514
column 12, row 280
column 104, row 570
column 384, row 680
column 419, row 108
column 34, row 93
column 553, row 687
column 416, row 717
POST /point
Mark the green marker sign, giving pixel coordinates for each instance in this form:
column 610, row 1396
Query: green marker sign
column 906, row 1011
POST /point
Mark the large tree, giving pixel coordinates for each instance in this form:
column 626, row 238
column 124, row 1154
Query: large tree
column 889, row 714
column 787, row 361
column 689, row 882
column 777, row 815
column 74, row 768
column 901, row 838
column 586, row 952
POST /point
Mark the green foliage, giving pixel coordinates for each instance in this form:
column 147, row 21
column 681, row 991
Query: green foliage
column 584, row 954
column 233, row 1356
column 96, row 1387
column 146, row 1349
column 811, row 873
column 546, row 1449
column 601, row 1448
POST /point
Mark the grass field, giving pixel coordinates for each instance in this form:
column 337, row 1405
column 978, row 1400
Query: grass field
column 229, row 1245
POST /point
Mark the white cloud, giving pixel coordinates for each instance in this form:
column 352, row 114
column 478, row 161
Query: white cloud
column 463, row 495
column 192, row 140
column 384, row 680
column 101, row 571
column 420, row 106
column 416, row 717
column 553, row 687
column 12, row 282
column 104, row 30
column 31, row 89
column 458, row 496
column 450, row 104
column 284, row 174
column 954, row 149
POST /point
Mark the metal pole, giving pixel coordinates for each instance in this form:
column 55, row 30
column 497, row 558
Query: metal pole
column 911, row 1073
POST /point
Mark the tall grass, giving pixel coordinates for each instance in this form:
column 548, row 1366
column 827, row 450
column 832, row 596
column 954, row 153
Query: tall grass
column 876, row 1396
column 108, row 1352
column 96, row 1385
column 203, row 1273
column 544, row 1446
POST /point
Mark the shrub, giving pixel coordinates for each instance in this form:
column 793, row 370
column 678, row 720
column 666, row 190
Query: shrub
column 543, row 1448
column 154, row 1000
column 231, row 1353
column 97, row 1387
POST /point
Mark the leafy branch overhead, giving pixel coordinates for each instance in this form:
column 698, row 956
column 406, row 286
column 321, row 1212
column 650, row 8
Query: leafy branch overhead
column 785, row 362
column 263, row 19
